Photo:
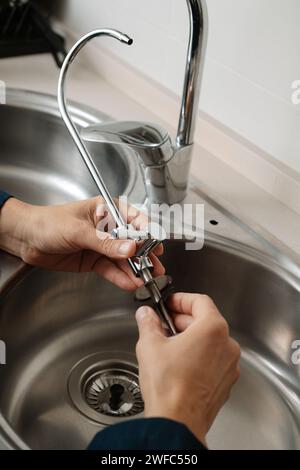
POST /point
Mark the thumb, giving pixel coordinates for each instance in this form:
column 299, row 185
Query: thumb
column 112, row 248
column 90, row 238
column 149, row 324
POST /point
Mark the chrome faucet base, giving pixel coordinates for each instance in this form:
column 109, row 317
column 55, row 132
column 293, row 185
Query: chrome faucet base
column 165, row 167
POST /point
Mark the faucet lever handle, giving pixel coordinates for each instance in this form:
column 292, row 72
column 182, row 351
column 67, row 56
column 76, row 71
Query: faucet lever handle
column 151, row 143
column 134, row 134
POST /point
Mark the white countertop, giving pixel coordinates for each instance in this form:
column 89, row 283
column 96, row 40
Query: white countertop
column 227, row 186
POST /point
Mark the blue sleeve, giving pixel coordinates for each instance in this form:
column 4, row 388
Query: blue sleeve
column 146, row 434
column 3, row 197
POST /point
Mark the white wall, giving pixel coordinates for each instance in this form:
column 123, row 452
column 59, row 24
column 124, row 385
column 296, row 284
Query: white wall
column 253, row 58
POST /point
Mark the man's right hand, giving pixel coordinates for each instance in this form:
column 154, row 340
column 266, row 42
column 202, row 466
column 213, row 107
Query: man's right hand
column 188, row 377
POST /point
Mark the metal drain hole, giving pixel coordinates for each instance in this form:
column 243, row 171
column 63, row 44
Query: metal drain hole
column 114, row 393
column 105, row 388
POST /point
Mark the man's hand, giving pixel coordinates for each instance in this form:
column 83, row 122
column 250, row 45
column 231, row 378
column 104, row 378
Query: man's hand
column 187, row 377
column 66, row 238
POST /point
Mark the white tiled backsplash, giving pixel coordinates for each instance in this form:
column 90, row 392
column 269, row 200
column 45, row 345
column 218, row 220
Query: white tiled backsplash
column 253, row 57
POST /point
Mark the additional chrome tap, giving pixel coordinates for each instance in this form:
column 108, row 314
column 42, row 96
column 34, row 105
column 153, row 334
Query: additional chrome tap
column 140, row 263
column 166, row 163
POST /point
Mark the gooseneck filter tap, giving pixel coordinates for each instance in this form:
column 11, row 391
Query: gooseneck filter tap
column 141, row 263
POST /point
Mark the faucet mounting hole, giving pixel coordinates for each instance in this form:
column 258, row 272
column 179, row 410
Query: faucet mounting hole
column 214, row 222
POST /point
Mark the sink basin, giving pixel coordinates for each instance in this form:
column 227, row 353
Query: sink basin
column 71, row 366
column 64, row 331
column 39, row 162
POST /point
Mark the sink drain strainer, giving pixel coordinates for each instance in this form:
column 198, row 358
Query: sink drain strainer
column 105, row 388
column 114, row 393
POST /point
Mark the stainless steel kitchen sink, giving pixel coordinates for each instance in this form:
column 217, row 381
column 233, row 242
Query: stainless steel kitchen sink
column 63, row 329
column 39, row 161
column 71, row 338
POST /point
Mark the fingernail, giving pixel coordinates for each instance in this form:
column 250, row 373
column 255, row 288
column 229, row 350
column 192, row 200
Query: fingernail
column 142, row 312
column 125, row 248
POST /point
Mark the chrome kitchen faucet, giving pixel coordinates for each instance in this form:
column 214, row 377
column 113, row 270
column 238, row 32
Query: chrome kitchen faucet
column 165, row 163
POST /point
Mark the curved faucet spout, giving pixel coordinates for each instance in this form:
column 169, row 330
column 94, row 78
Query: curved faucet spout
column 194, row 71
column 72, row 128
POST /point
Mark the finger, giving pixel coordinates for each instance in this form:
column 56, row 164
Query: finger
column 124, row 266
column 149, row 325
column 93, row 210
column 118, row 249
column 158, row 267
column 139, row 220
column 98, row 209
column 133, row 216
column 182, row 322
column 159, row 250
column 192, row 304
column 87, row 237
column 112, row 273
